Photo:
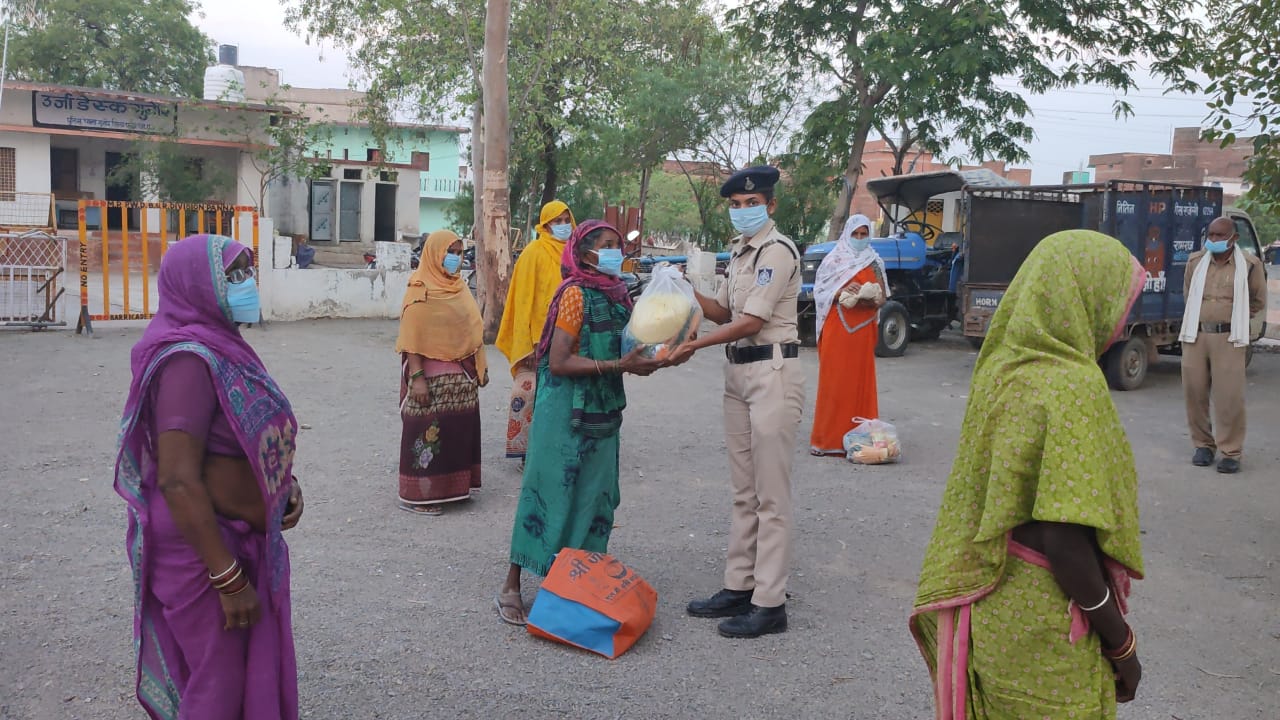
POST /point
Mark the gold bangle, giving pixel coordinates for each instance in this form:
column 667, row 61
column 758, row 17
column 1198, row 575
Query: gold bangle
column 231, row 580
column 237, row 592
column 215, row 578
column 1126, row 649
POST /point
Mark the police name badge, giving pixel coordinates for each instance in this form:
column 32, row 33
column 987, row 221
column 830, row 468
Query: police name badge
column 764, row 276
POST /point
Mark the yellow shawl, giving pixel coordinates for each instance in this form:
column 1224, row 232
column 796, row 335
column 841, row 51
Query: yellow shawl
column 439, row 318
column 534, row 282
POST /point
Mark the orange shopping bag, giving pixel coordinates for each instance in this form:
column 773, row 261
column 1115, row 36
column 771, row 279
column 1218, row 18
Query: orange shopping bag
column 592, row 601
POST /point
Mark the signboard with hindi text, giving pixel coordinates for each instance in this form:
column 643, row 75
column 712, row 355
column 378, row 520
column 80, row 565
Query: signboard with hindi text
column 88, row 111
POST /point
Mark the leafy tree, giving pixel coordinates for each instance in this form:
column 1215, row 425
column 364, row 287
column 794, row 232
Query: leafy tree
column 804, row 197
column 1266, row 219
column 169, row 172
column 1244, row 66
column 147, row 46
column 881, row 60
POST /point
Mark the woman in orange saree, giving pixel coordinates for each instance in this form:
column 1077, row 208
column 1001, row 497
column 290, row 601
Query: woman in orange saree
column 849, row 289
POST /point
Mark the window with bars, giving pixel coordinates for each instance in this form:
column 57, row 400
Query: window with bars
column 8, row 172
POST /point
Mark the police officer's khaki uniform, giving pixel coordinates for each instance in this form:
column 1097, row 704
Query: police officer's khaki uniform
column 1213, row 366
column 763, row 401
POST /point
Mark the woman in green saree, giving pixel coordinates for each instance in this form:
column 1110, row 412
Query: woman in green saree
column 570, row 486
column 1020, row 609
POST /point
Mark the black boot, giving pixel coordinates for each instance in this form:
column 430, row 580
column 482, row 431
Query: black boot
column 759, row 621
column 1203, row 457
column 726, row 603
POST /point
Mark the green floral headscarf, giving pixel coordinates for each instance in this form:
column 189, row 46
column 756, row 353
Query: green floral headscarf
column 1041, row 437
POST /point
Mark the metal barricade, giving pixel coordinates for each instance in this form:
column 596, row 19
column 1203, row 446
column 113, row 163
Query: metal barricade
column 32, row 265
column 131, row 242
column 21, row 211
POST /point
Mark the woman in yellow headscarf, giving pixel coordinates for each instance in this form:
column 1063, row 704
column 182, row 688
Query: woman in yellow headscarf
column 534, row 282
column 441, row 346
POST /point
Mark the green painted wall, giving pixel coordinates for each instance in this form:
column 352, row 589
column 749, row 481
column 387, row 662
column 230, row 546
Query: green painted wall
column 431, row 215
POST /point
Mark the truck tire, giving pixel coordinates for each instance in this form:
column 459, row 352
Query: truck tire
column 1126, row 364
column 895, row 330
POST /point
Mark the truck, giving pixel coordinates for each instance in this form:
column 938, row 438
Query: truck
column 1162, row 224
column 923, row 256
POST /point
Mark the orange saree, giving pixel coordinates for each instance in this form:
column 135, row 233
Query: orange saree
column 846, row 371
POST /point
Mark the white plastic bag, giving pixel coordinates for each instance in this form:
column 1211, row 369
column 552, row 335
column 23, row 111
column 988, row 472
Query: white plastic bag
column 872, row 442
column 666, row 314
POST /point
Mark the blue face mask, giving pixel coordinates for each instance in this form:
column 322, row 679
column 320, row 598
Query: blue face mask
column 749, row 220
column 859, row 244
column 242, row 297
column 562, row 231
column 1217, row 247
column 452, row 263
column 609, row 261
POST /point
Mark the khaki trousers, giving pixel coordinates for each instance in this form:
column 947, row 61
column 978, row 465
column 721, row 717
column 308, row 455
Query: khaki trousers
column 762, row 406
column 1213, row 367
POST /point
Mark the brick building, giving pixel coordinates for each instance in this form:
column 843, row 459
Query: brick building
column 877, row 161
column 1191, row 161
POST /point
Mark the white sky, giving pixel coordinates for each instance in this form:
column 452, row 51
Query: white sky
column 1070, row 125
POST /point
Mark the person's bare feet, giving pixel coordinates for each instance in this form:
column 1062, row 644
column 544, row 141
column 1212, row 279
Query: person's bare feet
column 510, row 607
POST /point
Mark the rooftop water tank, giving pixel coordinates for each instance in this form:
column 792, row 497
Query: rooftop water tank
column 223, row 81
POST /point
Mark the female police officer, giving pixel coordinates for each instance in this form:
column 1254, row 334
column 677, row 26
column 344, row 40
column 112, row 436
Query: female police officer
column 763, row 399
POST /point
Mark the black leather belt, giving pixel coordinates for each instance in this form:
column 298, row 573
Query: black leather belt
column 758, row 353
column 1215, row 327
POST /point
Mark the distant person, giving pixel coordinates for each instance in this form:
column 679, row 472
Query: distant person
column 205, row 465
column 849, row 289
column 570, row 487
column 1020, row 608
column 763, row 401
column 534, row 281
column 1222, row 295
column 442, row 367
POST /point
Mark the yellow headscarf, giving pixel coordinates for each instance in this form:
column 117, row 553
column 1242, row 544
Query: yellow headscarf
column 534, row 282
column 439, row 318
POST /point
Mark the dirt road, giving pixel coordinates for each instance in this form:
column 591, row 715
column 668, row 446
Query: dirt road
column 393, row 613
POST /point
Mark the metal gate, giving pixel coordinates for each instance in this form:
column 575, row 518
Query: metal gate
column 127, row 258
column 32, row 269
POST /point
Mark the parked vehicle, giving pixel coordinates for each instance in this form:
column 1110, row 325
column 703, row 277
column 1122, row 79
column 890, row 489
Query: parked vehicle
column 1162, row 224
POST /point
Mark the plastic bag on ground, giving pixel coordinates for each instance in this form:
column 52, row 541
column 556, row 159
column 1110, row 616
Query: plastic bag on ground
column 666, row 314
column 872, row 442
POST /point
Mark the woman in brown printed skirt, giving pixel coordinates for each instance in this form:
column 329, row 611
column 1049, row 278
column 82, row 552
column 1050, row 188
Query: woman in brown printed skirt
column 442, row 368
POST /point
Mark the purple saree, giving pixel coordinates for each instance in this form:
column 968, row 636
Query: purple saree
column 188, row 666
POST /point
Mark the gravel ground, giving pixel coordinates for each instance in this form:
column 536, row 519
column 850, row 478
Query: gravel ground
column 393, row 613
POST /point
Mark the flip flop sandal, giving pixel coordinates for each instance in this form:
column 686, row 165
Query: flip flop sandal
column 428, row 510
column 497, row 602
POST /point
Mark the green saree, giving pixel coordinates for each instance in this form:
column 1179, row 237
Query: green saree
column 1041, row 442
column 570, row 487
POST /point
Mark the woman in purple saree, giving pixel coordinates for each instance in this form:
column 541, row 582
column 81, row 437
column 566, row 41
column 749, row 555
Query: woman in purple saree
column 205, row 461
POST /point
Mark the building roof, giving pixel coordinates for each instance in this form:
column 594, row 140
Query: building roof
column 404, row 126
column 145, row 97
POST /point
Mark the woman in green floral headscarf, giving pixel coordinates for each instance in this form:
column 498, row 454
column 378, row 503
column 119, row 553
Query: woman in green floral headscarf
column 1019, row 612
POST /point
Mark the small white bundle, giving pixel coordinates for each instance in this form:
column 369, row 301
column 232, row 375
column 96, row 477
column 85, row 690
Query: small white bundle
column 867, row 291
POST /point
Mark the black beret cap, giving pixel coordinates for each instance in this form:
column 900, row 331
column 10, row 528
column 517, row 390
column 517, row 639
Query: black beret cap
column 750, row 180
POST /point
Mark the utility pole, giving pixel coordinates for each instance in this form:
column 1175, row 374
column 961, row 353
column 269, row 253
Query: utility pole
column 493, row 256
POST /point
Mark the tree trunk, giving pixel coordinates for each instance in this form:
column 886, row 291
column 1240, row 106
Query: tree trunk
column 646, row 177
column 852, row 176
column 494, row 255
column 549, row 154
column 477, row 186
